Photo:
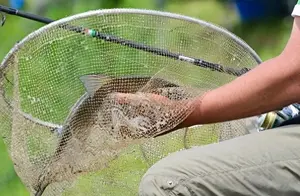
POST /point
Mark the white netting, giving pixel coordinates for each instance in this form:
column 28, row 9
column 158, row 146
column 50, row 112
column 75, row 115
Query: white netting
column 64, row 129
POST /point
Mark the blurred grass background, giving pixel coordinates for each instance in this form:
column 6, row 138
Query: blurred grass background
column 267, row 36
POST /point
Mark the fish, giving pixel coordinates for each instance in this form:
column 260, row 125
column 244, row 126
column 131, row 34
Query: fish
column 100, row 92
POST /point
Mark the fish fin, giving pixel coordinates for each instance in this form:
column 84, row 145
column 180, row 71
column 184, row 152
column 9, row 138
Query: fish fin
column 93, row 82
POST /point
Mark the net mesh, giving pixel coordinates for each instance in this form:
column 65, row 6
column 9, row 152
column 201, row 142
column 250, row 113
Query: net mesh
column 65, row 129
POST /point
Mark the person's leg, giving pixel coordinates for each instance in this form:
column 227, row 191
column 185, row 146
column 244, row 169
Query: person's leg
column 265, row 163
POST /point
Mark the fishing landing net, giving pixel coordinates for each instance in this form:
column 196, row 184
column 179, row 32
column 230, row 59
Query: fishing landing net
column 65, row 128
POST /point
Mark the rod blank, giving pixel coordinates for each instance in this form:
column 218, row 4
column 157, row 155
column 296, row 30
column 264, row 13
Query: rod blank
column 128, row 43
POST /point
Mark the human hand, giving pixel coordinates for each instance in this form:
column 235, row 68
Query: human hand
column 175, row 113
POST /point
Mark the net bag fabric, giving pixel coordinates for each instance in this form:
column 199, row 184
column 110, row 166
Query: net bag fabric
column 64, row 129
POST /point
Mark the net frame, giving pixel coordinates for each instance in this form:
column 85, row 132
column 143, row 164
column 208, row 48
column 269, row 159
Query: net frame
column 36, row 33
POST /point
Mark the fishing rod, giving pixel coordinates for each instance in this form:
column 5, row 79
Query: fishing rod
column 110, row 38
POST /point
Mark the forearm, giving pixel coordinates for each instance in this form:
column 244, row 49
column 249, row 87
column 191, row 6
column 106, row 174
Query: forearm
column 271, row 85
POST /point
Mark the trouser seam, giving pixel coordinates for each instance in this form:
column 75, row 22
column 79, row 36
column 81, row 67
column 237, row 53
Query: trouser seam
column 243, row 169
column 227, row 171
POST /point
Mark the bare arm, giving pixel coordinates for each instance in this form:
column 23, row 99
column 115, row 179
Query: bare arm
column 271, row 85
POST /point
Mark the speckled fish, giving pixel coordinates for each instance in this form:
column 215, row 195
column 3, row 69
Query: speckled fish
column 143, row 118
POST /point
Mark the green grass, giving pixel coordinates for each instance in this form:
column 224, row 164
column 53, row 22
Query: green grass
column 57, row 104
column 10, row 184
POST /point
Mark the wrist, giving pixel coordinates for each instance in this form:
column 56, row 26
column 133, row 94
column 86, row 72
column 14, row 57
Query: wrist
column 195, row 117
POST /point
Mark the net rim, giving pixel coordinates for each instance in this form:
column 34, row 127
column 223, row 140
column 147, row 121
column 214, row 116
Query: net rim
column 103, row 12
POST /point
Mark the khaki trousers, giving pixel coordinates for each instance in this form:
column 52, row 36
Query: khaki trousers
column 260, row 164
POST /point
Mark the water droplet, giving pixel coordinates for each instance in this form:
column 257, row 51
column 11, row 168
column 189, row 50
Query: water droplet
column 33, row 100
